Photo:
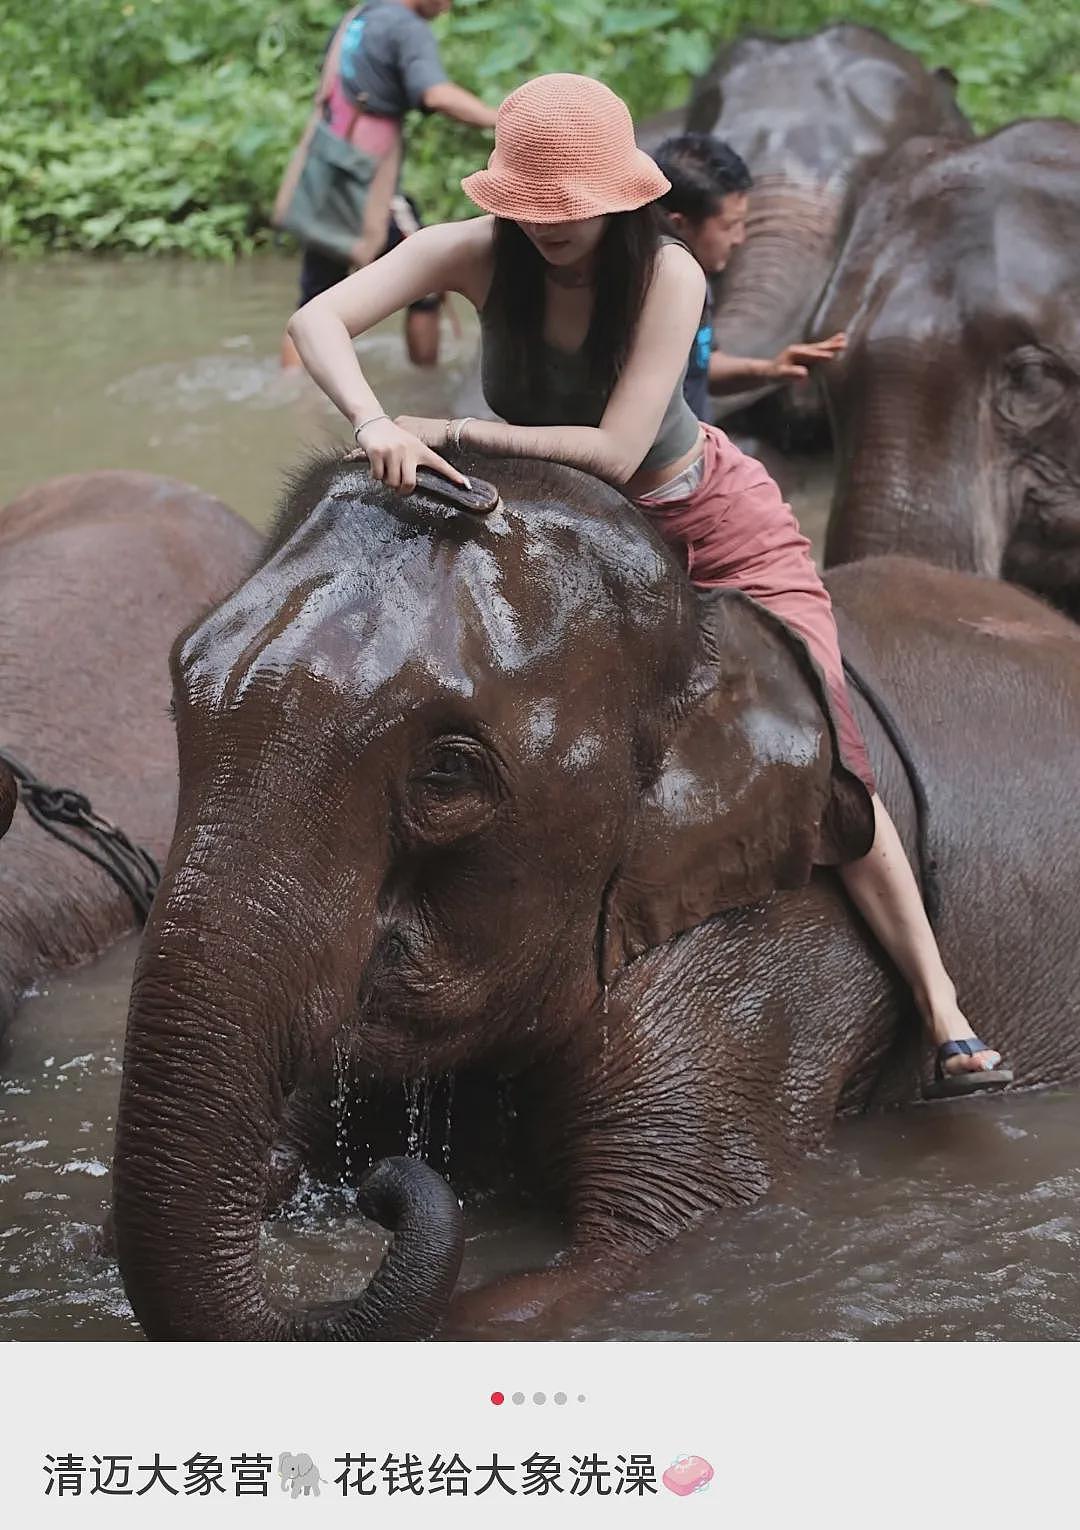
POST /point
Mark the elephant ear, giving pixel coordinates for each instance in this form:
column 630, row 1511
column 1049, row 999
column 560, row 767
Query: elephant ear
column 751, row 792
column 705, row 105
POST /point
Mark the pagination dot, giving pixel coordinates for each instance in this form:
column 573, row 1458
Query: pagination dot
column 518, row 1398
column 539, row 1397
column 559, row 1398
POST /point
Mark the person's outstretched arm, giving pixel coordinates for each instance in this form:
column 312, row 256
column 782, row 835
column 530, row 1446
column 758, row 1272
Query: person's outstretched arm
column 460, row 104
column 733, row 374
column 452, row 257
column 425, row 83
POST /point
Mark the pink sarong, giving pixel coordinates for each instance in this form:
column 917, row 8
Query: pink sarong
column 380, row 139
column 734, row 529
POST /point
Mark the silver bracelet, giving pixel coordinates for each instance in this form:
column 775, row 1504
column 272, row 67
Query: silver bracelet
column 365, row 423
column 456, row 428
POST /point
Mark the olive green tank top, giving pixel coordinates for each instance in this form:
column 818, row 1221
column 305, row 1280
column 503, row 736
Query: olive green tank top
column 569, row 397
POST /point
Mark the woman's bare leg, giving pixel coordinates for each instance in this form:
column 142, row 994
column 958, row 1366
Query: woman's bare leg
column 422, row 336
column 883, row 888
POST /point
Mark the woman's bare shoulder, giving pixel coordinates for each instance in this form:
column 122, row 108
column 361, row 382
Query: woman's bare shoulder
column 677, row 270
column 464, row 252
column 462, row 234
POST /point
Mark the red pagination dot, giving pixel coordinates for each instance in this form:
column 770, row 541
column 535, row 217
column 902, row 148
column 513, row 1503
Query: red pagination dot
column 498, row 1399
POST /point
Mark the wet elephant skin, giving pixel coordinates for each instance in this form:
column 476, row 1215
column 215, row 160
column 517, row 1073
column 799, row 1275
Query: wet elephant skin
column 813, row 117
column 956, row 410
column 98, row 572
column 506, row 793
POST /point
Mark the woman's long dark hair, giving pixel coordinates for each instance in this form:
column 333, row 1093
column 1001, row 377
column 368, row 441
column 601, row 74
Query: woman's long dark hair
column 625, row 263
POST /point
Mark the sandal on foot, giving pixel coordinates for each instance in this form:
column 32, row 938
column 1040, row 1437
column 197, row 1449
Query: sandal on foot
column 970, row 1080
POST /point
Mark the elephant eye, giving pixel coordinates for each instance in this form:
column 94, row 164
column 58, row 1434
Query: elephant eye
column 451, row 763
column 453, row 790
column 1035, row 383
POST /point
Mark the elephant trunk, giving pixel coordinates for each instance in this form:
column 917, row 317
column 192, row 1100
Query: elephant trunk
column 213, row 1047
column 914, row 474
column 771, row 286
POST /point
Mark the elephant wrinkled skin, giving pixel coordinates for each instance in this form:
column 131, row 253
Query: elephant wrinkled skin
column 98, row 571
column 956, row 409
column 507, row 792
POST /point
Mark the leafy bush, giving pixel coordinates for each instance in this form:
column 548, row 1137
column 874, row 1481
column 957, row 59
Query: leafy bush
column 164, row 124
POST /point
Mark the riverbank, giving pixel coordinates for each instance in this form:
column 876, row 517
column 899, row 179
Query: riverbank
column 164, row 127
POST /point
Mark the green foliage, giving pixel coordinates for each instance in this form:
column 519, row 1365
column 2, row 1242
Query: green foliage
column 165, row 124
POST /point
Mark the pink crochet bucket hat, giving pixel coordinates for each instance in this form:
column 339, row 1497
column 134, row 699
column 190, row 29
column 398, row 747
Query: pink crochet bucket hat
column 564, row 149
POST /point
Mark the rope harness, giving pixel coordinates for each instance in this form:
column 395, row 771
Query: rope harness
column 929, row 877
column 131, row 867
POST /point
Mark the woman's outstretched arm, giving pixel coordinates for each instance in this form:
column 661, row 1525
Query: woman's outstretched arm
column 446, row 257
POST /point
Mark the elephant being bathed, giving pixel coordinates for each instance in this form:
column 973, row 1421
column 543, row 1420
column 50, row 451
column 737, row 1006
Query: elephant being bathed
column 506, row 793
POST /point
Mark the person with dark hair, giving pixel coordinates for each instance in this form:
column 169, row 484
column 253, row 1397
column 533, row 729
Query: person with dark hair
column 706, row 207
column 382, row 60
column 587, row 309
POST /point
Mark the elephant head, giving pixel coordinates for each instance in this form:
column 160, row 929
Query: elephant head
column 9, row 797
column 812, row 117
column 956, row 408
column 292, row 1468
column 441, row 777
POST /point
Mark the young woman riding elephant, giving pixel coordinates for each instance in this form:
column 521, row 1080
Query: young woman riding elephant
column 587, row 312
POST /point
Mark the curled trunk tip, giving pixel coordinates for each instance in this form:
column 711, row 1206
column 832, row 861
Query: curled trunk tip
column 408, row 1296
column 409, row 1293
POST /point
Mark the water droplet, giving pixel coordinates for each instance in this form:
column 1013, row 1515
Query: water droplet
column 447, row 1123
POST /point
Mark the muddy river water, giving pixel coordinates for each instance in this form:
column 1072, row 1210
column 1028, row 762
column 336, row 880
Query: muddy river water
column 955, row 1221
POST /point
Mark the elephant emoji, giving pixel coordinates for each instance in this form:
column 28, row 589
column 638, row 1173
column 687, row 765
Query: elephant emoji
column 300, row 1473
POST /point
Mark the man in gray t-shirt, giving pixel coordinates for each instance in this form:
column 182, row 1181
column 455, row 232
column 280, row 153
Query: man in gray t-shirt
column 389, row 56
column 388, row 64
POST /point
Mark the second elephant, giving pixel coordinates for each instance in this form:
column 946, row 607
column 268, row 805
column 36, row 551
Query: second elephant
column 956, row 409
column 97, row 573
column 813, row 117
